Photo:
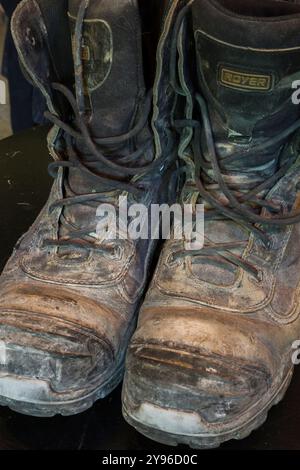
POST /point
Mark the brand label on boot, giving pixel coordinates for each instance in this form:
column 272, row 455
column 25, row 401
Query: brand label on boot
column 96, row 51
column 244, row 80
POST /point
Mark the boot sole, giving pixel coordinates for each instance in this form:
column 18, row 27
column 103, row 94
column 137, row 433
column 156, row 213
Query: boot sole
column 22, row 395
column 208, row 441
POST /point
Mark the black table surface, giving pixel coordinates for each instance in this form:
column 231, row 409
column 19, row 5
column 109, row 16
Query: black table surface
column 24, row 188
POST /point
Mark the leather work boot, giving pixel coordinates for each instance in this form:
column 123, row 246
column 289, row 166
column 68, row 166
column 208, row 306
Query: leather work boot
column 68, row 298
column 215, row 341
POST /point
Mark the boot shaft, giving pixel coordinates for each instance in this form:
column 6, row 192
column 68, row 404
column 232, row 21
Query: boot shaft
column 112, row 54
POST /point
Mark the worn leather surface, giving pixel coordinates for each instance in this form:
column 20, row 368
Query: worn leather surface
column 57, row 301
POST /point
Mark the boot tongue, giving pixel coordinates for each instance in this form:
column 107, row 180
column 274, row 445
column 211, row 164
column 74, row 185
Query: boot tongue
column 112, row 58
column 248, row 55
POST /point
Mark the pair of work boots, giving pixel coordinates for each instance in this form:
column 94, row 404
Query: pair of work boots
column 209, row 119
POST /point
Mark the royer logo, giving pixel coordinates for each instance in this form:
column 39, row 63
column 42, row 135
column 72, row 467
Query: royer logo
column 244, row 80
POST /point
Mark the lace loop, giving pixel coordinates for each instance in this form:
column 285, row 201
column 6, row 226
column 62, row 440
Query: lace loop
column 240, row 207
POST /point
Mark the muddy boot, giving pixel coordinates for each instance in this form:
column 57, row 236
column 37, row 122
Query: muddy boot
column 213, row 349
column 69, row 295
